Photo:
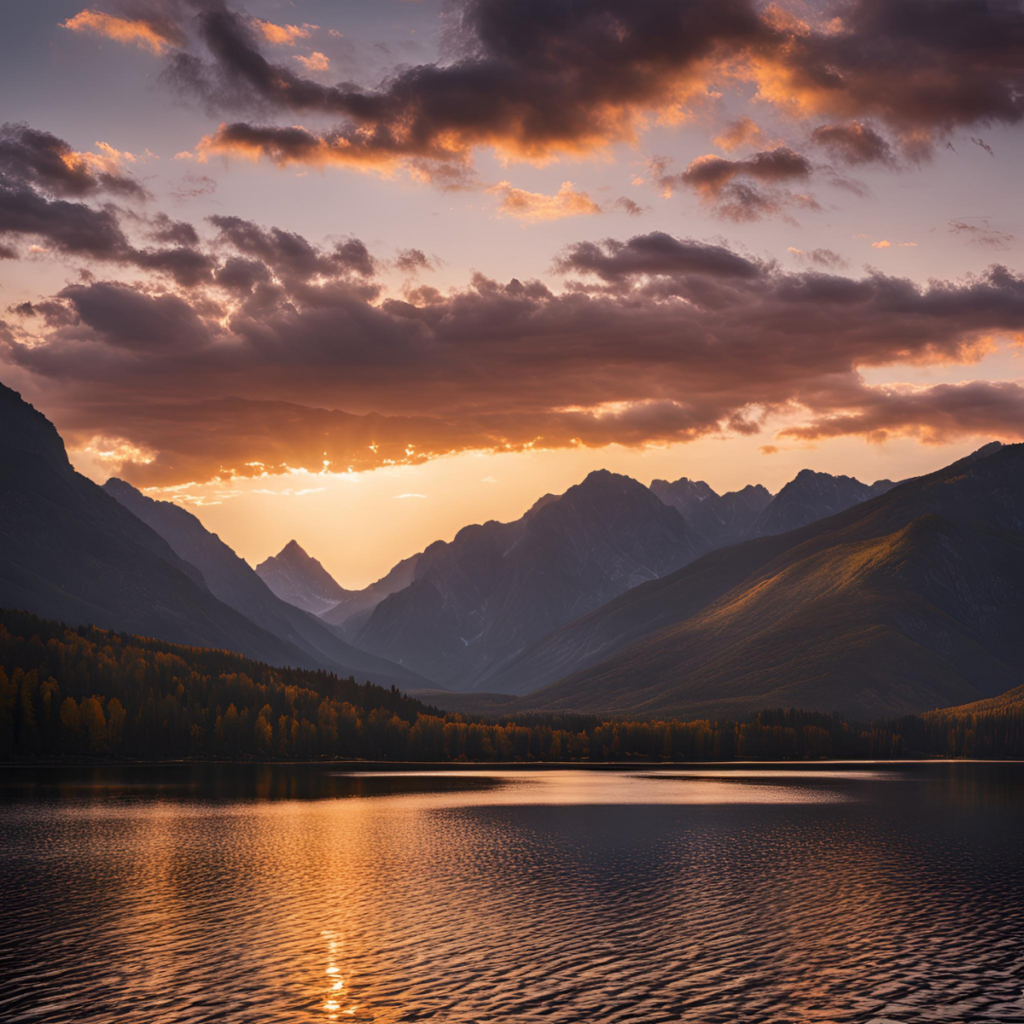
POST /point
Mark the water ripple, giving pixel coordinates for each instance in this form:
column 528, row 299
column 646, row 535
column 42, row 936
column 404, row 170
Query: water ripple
column 566, row 897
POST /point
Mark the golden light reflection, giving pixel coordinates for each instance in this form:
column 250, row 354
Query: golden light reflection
column 332, row 1003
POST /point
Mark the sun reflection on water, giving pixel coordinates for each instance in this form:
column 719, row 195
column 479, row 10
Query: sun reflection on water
column 564, row 897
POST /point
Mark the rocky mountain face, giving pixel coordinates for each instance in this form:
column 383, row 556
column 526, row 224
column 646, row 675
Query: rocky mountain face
column 683, row 494
column 301, row 580
column 352, row 613
column 231, row 580
column 903, row 603
column 812, row 496
column 722, row 519
column 71, row 552
column 480, row 601
column 718, row 519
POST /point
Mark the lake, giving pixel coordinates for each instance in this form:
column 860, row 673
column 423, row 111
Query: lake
column 308, row 894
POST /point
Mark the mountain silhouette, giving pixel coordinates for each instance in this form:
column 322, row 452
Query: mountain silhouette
column 718, row 519
column 497, row 588
column 811, row 496
column 233, row 581
column 909, row 601
column 298, row 578
column 71, row 552
column 301, row 580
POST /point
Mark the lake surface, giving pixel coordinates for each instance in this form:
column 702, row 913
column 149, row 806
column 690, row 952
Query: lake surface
column 304, row 894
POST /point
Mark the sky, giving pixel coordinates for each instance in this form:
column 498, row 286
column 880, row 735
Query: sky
column 360, row 274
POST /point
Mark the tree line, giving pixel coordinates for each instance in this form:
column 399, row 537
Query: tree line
column 87, row 692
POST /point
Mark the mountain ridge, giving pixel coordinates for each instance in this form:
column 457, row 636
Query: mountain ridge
column 979, row 501
column 72, row 552
column 233, row 581
column 478, row 600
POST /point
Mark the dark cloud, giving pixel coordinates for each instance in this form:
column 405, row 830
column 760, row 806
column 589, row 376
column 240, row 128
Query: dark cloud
column 34, row 158
column 173, row 232
column 129, row 319
column 935, row 415
column 655, row 339
column 854, row 143
column 73, row 229
column 627, row 205
column 536, row 78
column 187, row 266
column 353, row 255
column 37, row 168
column 744, row 190
column 412, row 261
column 654, row 254
column 55, row 313
column 242, row 275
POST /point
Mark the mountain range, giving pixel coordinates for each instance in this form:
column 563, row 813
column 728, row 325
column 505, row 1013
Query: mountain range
column 909, row 601
column 301, row 580
column 463, row 613
column 231, row 580
column 668, row 600
column 74, row 551
column 479, row 601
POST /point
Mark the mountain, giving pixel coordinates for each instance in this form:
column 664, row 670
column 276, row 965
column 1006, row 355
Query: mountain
column 722, row 519
column 301, row 580
column 812, row 496
column 1010, row 702
column 907, row 602
column 497, row 588
column 718, row 519
column 352, row 613
column 683, row 494
column 71, row 552
column 231, row 580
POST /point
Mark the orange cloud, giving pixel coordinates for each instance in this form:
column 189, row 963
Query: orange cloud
column 146, row 35
column 283, row 35
column 536, row 206
column 107, row 161
column 742, row 132
column 444, row 161
column 316, row 61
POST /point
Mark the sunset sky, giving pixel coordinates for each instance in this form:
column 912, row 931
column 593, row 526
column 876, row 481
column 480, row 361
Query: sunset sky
column 361, row 273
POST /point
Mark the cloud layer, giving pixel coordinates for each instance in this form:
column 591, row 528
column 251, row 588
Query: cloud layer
column 540, row 79
column 246, row 349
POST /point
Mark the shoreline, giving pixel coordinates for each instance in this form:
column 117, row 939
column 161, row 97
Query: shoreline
column 434, row 767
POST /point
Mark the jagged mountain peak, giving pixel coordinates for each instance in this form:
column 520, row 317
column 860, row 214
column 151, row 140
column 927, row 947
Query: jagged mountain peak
column 498, row 587
column 910, row 599
column 752, row 489
column 298, row 578
column 604, row 481
column 683, row 494
column 25, row 428
column 813, row 495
